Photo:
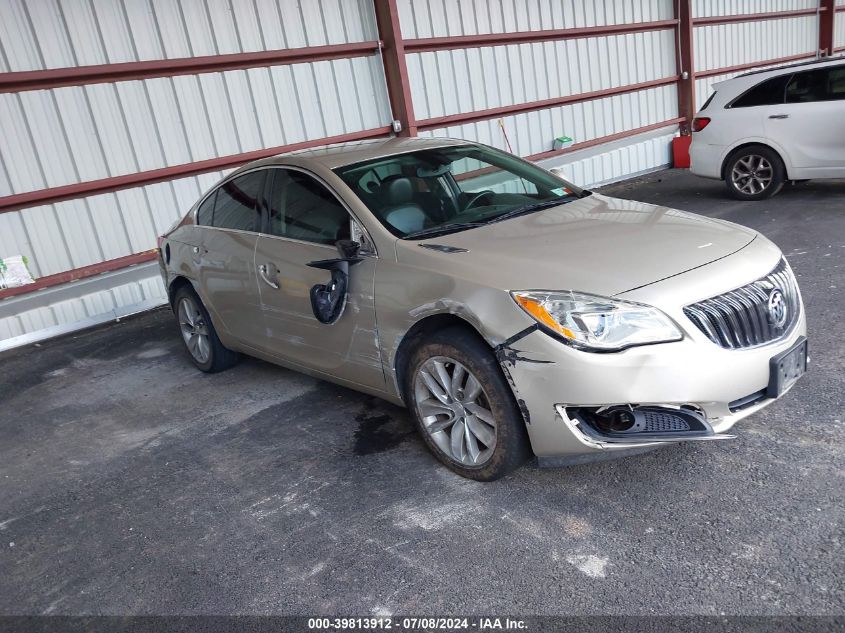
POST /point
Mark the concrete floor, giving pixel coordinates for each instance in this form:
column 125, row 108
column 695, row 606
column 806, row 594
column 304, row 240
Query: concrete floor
column 132, row 483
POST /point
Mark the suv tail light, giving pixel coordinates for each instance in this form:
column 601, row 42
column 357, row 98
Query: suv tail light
column 699, row 123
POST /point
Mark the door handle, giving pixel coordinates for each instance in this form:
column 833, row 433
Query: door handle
column 264, row 272
column 778, row 116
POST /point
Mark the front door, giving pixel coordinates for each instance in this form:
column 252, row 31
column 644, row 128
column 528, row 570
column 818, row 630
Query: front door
column 304, row 221
column 811, row 122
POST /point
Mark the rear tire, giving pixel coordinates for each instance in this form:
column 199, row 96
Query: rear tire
column 755, row 172
column 463, row 407
column 198, row 333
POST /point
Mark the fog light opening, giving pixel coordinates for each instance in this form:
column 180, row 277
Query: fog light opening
column 640, row 422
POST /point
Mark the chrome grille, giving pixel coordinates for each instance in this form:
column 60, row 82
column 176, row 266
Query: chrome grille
column 742, row 318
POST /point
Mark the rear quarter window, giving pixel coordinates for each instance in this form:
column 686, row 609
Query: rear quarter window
column 205, row 212
column 769, row 92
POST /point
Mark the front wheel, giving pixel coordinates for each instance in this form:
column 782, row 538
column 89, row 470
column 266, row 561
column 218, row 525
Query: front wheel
column 463, row 407
column 754, row 173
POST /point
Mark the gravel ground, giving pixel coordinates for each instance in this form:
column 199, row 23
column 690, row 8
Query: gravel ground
column 133, row 484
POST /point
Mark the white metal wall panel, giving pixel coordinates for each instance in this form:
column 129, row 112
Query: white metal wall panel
column 708, row 8
column 55, row 311
column 41, row 34
column 636, row 157
column 81, row 133
column 534, row 132
column 466, row 80
column 441, row 18
column 77, row 233
column 839, row 29
column 721, row 45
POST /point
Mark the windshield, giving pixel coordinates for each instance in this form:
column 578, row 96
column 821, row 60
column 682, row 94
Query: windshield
column 447, row 189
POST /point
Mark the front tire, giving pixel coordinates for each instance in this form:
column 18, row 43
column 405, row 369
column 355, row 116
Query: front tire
column 463, row 407
column 754, row 173
column 198, row 333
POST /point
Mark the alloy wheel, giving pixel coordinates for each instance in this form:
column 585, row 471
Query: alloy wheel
column 455, row 411
column 752, row 174
column 194, row 330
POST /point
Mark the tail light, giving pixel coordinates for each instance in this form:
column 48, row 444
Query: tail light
column 699, row 123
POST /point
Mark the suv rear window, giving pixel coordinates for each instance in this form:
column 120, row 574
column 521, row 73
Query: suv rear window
column 769, row 92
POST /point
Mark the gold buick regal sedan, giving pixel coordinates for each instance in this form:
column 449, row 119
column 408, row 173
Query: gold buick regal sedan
column 512, row 312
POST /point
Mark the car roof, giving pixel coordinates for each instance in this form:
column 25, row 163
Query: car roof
column 753, row 77
column 341, row 154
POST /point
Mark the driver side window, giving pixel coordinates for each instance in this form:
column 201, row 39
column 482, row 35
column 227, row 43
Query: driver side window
column 302, row 208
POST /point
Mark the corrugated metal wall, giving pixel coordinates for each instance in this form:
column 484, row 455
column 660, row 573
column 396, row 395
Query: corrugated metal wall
column 839, row 27
column 76, row 134
column 723, row 45
column 453, row 81
column 81, row 133
column 438, row 18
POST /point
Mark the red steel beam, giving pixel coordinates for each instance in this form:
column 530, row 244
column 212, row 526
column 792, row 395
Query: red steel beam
column 605, row 139
column 523, row 37
column 519, row 108
column 827, row 20
column 766, row 62
column 395, row 67
column 752, row 17
column 117, row 183
column 83, row 75
column 684, row 46
column 81, row 273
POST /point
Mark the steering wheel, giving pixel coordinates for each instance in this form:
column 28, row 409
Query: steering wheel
column 477, row 197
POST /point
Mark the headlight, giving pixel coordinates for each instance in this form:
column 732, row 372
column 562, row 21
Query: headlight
column 597, row 323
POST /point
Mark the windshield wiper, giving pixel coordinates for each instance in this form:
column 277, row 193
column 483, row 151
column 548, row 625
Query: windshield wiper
column 530, row 208
column 442, row 229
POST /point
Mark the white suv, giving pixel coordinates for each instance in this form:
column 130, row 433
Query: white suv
column 762, row 128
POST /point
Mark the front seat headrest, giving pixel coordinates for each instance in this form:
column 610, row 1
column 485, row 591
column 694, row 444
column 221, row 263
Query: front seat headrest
column 399, row 191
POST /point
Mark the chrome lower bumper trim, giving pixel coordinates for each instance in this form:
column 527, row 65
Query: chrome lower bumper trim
column 592, row 439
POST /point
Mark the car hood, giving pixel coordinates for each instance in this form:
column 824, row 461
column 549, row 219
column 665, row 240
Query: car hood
column 594, row 244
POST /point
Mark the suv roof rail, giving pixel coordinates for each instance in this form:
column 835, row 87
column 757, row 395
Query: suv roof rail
column 837, row 58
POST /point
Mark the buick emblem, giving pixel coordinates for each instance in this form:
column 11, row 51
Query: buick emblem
column 777, row 308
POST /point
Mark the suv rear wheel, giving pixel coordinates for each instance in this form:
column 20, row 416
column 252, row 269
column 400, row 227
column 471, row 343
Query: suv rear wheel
column 754, row 173
column 463, row 407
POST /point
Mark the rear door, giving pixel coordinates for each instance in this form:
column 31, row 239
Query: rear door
column 226, row 257
column 811, row 122
column 304, row 220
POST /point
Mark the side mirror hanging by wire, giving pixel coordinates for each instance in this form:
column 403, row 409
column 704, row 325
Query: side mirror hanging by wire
column 328, row 300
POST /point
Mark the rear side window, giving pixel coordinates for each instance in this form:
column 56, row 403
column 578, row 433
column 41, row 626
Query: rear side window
column 206, row 210
column 823, row 84
column 302, row 208
column 769, row 92
column 236, row 205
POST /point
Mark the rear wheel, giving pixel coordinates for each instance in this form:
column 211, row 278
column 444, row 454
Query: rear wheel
column 463, row 406
column 754, row 173
column 198, row 334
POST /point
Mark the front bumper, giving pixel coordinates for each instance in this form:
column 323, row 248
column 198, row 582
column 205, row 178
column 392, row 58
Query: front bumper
column 700, row 374
column 550, row 379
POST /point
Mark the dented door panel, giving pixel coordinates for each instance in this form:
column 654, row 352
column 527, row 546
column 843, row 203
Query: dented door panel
column 346, row 349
